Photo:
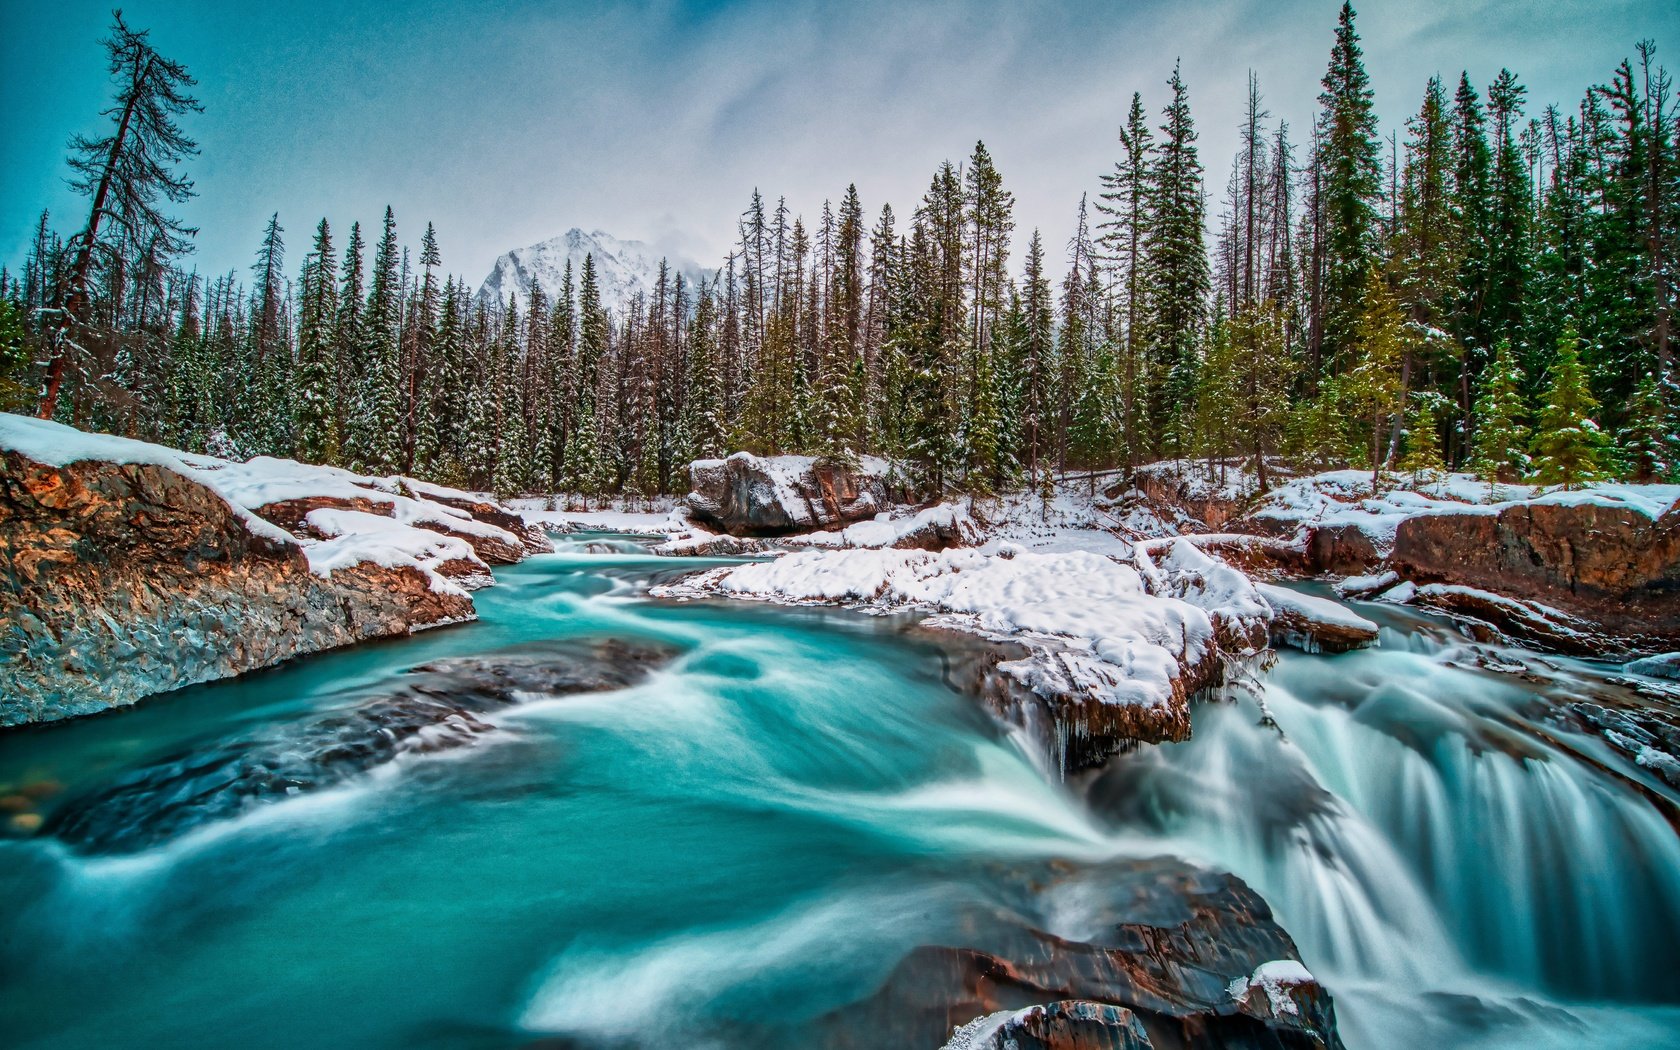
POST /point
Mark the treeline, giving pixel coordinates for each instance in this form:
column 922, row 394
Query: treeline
column 1493, row 290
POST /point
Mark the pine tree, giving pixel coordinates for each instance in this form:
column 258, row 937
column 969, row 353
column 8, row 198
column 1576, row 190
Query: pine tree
column 1352, row 185
column 1423, row 441
column 1501, row 437
column 1568, row 446
column 317, row 422
column 1648, row 446
column 375, row 419
column 1178, row 275
column 127, row 176
column 1372, row 386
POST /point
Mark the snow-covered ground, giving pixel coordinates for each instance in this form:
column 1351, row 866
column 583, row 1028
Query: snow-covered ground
column 1347, row 497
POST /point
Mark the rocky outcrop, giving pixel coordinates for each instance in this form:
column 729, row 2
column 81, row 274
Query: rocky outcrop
column 1197, row 962
column 1341, row 550
column 1314, row 625
column 120, row 579
column 1074, row 729
column 444, row 709
column 1598, row 562
column 747, row 495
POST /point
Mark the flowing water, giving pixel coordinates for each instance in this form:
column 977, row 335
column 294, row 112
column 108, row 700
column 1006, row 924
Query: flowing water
column 733, row 850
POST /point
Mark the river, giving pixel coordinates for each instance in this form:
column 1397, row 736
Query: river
column 732, row 851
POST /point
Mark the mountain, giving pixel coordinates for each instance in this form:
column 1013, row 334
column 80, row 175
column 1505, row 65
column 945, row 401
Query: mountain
column 622, row 268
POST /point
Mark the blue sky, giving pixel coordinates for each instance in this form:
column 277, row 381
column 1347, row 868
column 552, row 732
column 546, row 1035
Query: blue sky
column 507, row 123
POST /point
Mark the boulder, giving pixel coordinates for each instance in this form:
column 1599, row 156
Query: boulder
column 747, row 495
column 125, row 576
column 1075, row 1024
column 1315, row 625
column 1196, row 961
column 1600, row 561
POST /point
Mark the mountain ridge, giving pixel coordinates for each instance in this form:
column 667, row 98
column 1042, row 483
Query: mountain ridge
column 622, row 268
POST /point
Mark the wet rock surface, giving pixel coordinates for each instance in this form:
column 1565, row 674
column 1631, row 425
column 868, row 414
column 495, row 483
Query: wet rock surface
column 1195, row 960
column 446, row 707
column 746, row 495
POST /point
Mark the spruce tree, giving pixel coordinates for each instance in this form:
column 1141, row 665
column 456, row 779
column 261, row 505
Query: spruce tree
column 1352, row 185
column 1568, row 446
column 1422, row 459
column 1501, row 437
column 317, row 376
column 1372, row 386
column 1178, row 275
column 1648, row 446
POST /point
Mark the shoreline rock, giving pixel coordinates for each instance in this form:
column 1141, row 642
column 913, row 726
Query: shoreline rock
column 129, row 569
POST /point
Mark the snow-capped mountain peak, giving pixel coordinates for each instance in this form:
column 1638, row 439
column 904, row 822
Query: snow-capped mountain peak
column 622, row 268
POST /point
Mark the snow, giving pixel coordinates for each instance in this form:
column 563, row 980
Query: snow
column 397, row 539
column 1275, row 978
column 1346, row 497
column 1094, row 627
column 622, row 269
column 356, row 536
column 887, row 528
column 1313, row 610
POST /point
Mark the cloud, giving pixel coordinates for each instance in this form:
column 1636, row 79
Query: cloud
column 507, row 125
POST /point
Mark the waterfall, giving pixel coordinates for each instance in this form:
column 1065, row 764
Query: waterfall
column 1409, row 823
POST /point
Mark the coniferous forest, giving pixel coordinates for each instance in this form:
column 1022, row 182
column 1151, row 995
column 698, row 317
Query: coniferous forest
column 1492, row 291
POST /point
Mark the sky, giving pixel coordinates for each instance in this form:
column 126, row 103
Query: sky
column 509, row 123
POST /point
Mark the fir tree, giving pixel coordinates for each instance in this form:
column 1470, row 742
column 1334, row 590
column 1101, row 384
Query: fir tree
column 1422, row 459
column 1568, row 445
column 1372, row 386
column 1501, row 438
column 1352, row 184
column 1648, row 446
column 316, row 415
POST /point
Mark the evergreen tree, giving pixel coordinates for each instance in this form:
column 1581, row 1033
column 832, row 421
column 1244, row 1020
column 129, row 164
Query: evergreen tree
column 1423, row 442
column 1372, row 386
column 1178, row 275
column 1352, row 185
column 375, row 420
column 1648, row 447
column 1568, row 446
column 317, row 376
column 1501, row 437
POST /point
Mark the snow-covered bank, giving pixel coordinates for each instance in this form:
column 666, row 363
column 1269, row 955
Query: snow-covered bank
column 130, row 568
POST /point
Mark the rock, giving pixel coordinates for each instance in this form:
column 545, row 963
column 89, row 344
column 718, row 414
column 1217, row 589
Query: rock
column 747, row 495
column 1648, row 734
column 1197, row 961
column 24, row 823
column 1315, row 625
column 1597, row 561
column 1162, row 483
column 442, row 710
column 1663, row 665
column 1071, row 1025
column 1341, row 550
column 120, row 580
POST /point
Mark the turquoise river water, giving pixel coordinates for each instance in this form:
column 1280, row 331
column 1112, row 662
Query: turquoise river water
column 745, row 843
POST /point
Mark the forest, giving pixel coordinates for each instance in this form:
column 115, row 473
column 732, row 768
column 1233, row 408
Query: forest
column 1489, row 290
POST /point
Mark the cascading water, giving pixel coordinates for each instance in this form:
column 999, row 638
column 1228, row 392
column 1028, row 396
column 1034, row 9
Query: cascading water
column 1420, row 829
column 733, row 850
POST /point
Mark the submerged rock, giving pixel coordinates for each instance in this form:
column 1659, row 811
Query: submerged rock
column 1196, row 961
column 443, row 709
column 747, row 495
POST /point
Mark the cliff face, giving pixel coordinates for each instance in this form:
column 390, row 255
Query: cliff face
column 1602, row 563
column 123, row 579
